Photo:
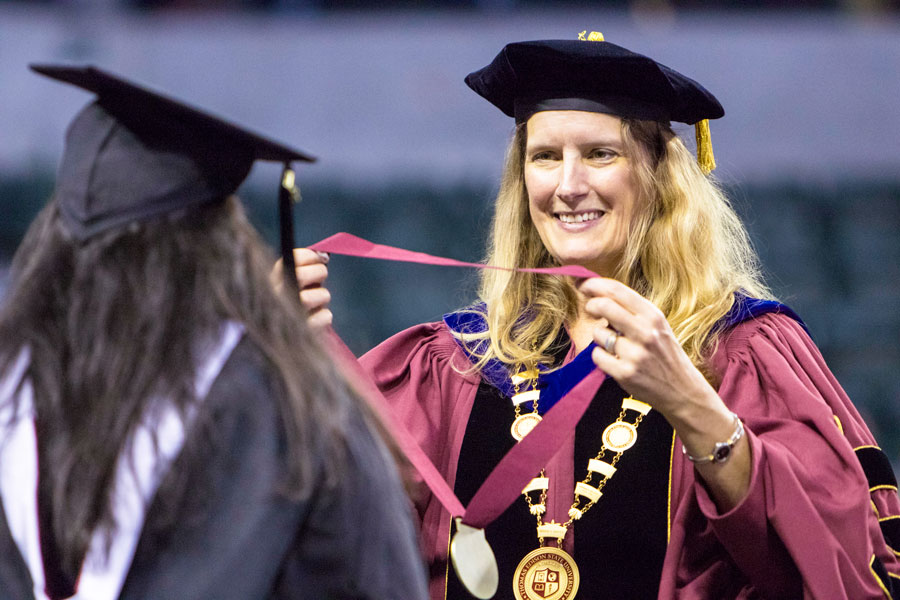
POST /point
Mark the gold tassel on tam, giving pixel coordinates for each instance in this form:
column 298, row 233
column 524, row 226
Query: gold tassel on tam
column 705, row 157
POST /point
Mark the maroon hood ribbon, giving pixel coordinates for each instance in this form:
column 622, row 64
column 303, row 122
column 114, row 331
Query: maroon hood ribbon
column 524, row 460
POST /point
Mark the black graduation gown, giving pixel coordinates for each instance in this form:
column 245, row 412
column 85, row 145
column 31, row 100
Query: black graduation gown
column 247, row 541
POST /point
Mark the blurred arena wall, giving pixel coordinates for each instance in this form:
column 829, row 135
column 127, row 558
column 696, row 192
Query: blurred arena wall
column 809, row 148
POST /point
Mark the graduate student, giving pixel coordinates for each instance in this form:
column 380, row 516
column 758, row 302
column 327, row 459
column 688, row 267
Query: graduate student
column 169, row 427
column 720, row 458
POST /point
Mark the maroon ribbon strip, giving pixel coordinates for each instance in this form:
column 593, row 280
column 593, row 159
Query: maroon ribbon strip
column 364, row 385
column 526, row 458
column 350, row 245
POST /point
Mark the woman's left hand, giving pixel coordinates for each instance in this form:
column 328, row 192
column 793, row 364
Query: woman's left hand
column 311, row 271
column 639, row 350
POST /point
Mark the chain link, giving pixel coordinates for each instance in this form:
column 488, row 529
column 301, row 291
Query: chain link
column 587, row 480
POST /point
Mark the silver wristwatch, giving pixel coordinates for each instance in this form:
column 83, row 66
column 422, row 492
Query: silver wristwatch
column 722, row 450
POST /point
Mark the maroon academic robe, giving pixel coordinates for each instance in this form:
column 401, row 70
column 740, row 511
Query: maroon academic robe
column 808, row 526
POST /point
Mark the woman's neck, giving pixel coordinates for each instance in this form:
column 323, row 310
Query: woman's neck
column 581, row 330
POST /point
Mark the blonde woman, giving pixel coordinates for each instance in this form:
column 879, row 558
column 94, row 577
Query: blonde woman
column 717, row 458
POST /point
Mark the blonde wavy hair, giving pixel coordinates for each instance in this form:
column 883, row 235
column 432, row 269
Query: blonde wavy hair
column 687, row 252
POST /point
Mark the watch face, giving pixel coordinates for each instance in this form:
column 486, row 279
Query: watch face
column 721, row 453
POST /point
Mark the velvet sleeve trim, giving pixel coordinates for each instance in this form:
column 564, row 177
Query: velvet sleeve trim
column 877, row 467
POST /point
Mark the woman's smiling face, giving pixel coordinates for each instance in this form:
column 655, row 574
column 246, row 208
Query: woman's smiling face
column 582, row 195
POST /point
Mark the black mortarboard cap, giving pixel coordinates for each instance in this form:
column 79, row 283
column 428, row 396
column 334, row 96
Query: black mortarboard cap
column 594, row 76
column 134, row 155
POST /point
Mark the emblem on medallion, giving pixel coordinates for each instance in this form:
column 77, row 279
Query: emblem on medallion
column 546, row 574
column 546, row 582
column 619, row 436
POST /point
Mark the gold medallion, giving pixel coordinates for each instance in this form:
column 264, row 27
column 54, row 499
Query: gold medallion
column 619, row 436
column 546, row 574
column 523, row 425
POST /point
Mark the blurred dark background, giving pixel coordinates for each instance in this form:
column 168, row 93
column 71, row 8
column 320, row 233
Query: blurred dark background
column 809, row 149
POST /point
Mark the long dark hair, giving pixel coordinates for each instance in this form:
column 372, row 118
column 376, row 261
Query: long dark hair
column 124, row 318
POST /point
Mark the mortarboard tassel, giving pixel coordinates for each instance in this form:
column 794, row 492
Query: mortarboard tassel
column 705, row 157
column 288, row 194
